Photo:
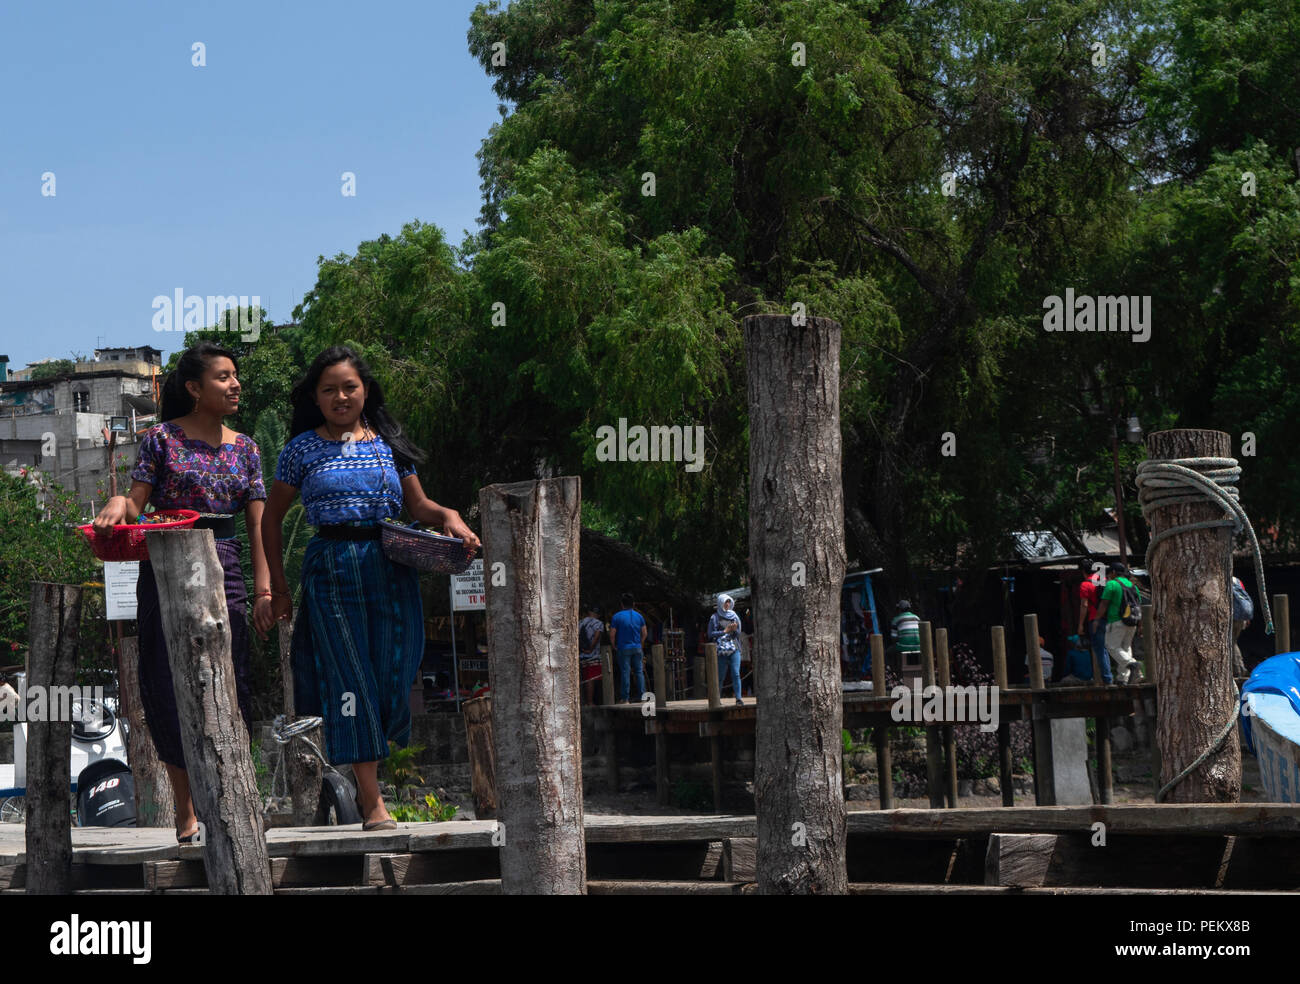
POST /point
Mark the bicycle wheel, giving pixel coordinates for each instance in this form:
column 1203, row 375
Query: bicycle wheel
column 13, row 809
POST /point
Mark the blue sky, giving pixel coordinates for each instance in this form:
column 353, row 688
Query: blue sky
column 223, row 179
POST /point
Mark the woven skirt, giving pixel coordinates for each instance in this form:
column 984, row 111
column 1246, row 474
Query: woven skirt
column 156, row 692
column 358, row 641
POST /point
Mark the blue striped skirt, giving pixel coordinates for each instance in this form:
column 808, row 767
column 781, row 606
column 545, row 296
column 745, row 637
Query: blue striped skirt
column 358, row 641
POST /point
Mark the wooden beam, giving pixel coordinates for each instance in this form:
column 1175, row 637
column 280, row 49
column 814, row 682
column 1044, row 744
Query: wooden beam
column 530, row 534
column 933, row 742
column 218, row 755
column 54, row 621
column 482, row 756
column 880, row 734
column 154, row 805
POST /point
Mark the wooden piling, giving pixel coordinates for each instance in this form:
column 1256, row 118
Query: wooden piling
column 661, row 681
column 711, row 675
column 54, row 622
column 1191, row 591
column 662, row 788
column 1044, row 778
column 884, row 755
column 218, row 756
column 1006, row 768
column 933, row 743
column 1281, row 623
column 531, row 529
column 482, row 756
column 1147, row 708
column 949, row 735
column 797, row 558
column 302, row 766
column 606, row 676
column 154, row 805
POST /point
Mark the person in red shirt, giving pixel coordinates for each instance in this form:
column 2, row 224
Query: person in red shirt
column 1091, row 618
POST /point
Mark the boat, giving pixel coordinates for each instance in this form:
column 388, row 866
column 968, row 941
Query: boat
column 1270, row 725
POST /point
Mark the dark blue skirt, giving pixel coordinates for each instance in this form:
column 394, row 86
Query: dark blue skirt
column 358, row 641
column 156, row 692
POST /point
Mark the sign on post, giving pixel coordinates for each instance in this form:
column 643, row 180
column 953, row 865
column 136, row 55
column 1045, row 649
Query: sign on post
column 467, row 590
column 119, row 588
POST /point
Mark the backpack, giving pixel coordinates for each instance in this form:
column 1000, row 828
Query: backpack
column 1243, row 609
column 590, row 633
column 1132, row 607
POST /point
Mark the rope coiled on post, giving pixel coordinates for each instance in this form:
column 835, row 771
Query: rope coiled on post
column 1167, row 482
column 283, row 733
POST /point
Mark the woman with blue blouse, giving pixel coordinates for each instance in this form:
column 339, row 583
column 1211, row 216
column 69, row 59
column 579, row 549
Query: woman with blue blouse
column 359, row 635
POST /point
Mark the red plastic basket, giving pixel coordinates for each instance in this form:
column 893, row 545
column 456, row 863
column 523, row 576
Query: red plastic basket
column 126, row 542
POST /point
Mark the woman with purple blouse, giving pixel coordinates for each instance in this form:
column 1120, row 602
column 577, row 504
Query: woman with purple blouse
column 193, row 461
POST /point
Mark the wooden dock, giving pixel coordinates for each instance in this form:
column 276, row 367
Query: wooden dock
column 863, row 710
column 1173, row 849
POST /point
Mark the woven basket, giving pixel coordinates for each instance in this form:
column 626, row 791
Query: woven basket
column 126, row 542
column 423, row 550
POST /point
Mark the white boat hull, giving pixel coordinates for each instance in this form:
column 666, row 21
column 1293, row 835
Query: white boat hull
column 1275, row 729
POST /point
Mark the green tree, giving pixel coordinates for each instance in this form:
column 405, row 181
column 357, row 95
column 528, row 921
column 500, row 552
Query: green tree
column 38, row 546
column 56, row 367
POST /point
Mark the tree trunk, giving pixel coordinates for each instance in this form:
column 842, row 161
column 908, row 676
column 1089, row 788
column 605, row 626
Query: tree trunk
column 302, row 769
column 1191, row 577
column 196, row 625
column 154, row 805
column 482, row 756
column 55, row 623
column 796, row 551
column 530, row 562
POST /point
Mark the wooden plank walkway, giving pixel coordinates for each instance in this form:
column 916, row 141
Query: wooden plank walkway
column 1169, row 848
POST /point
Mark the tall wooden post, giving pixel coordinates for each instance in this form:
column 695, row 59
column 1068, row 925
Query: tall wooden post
column 607, row 690
column 796, row 550
column 884, row 755
column 1105, row 773
column 218, row 756
column 54, row 624
column 1044, row 773
column 1191, row 575
column 711, row 676
column 1282, row 623
column 154, row 805
column 530, row 541
column 933, row 744
column 663, row 790
column 949, row 735
column 482, row 756
column 1006, row 770
column 661, row 679
column 1149, row 705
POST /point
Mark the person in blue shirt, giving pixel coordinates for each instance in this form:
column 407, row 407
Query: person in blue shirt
column 359, row 634
column 627, row 634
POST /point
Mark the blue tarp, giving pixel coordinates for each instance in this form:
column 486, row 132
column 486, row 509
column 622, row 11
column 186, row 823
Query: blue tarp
column 1280, row 675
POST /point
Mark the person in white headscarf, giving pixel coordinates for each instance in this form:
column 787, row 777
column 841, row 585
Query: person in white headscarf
column 724, row 631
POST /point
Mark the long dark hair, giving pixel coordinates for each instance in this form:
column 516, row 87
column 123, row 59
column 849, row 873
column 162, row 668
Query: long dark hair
column 176, row 399
column 307, row 415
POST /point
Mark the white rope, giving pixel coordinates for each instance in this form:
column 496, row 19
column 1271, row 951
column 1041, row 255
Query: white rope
column 1167, row 482
column 284, row 733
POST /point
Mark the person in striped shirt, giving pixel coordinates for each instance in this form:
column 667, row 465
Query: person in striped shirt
column 905, row 630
